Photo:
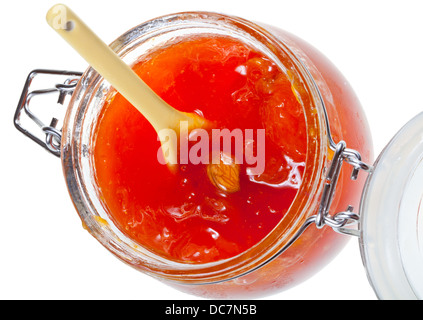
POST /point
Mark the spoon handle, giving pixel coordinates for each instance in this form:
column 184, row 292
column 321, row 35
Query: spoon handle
column 107, row 63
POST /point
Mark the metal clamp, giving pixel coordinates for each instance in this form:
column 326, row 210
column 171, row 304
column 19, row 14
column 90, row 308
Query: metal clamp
column 52, row 133
column 340, row 221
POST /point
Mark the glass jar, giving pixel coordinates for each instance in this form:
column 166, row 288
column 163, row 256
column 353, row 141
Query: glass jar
column 306, row 238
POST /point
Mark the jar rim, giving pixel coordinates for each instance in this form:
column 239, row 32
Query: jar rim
column 304, row 204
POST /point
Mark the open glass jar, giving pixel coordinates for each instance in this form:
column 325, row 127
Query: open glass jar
column 308, row 235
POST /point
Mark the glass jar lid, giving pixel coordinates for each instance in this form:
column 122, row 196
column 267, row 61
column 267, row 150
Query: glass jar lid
column 391, row 210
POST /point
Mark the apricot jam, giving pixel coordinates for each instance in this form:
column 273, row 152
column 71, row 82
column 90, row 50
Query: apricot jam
column 181, row 215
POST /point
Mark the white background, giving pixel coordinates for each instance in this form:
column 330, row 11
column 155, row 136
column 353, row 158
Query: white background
column 44, row 251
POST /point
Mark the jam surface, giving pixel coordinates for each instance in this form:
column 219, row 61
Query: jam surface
column 181, row 215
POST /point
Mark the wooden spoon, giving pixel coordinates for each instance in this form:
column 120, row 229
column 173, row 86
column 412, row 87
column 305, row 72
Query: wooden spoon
column 107, row 63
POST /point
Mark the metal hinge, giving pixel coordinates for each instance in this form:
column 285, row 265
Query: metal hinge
column 341, row 222
column 52, row 134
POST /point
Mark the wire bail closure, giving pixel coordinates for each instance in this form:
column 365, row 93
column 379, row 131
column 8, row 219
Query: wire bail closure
column 53, row 135
column 341, row 221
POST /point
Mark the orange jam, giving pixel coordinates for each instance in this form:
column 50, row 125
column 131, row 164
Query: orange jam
column 182, row 215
